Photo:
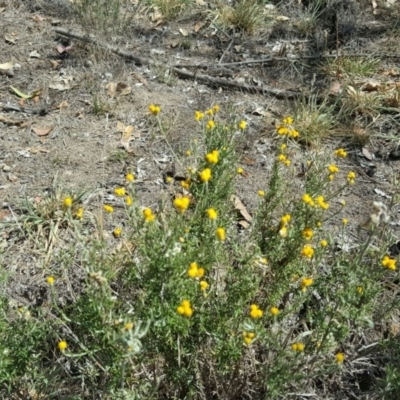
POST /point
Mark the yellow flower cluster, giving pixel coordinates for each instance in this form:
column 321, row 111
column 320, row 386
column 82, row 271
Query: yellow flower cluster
column 182, row 203
column 117, row 232
column 283, row 226
column 155, row 110
column 284, row 160
column 148, row 215
column 79, row 213
column 205, row 175
column 340, row 358
column 221, row 234
column 307, row 234
column 203, row 285
column 298, row 347
column 120, row 192
column 307, row 251
column 212, row 214
column 242, row 125
column 305, row 282
column 186, row 183
column 340, row 153
column 68, row 202
column 308, row 200
column 351, row 176
column 210, row 124
column 255, row 311
column 185, row 309
column 108, row 209
column 389, row 263
column 248, row 337
column 333, row 169
column 130, row 177
column 287, row 129
column 321, row 202
column 240, row 170
column 195, row 271
column 212, row 157
column 261, row 193
column 323, row 243
column 198, row 115
column 274, row 311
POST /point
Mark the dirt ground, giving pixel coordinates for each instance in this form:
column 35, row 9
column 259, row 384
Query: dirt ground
column 76, row 141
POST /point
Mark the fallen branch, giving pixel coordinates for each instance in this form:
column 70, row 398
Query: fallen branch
column 183, row 73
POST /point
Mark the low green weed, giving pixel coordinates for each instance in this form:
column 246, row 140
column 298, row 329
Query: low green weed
column 181, row 304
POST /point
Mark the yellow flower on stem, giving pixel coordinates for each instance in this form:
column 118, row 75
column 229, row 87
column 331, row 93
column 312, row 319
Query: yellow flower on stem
column 340, row 153
column 351, row 176
column 242, row 125
column 308, row 200
column 117, row 232
column 120, row 192
column 274, row 311
column 248, row 337
column 216, row 108
column 79, row 213
column 212, row 214
column 323, row 243
column 307, row 233
column 198, row 116
column 345, row 221
column 389, row 263
column 288, row 120
column 205, row 175
column 221, row 234
column 307, row 251
column 203, row 285
column 108, row 209
column 128, row 326
column 185, row 309
column 293, row 133
column 195, row 271
column 130, row 177
column 240, row 170
column 148, row 215
column 128, row 200
column 305, row 282
column 210, row 124
column 186, row 183
column 282, row 130
column 340, row 358
column 255, row 311
column 321, row 202
column 182, row 203
column 155, row 110
column 283, row 232
column 333, row 169
column 68, row 202
column 210, row 112
column 62, row 345
column 212, row 157
column 50, row 280
column 261, row 193
column 298, row 347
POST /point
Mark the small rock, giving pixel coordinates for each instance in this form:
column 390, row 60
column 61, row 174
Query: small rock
column 108, row 75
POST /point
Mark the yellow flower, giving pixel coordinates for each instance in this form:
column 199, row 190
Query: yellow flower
column 50, row 280
column 321, row 202
column 212, row 213
column 242, row 125
column 359, row 289
column 195, row 271
column 333, row 169
column 212, row 157
column 323, row 243
column 319, row 224
column 203, row 285
column 221, row 234
column 308, row 200
column 62, row 345
column 298, row 347
column 389, row 263
column 205, row 175
column 340, row 358
column 285, row 219
column 107, row 208
column 282, row 130
column 274, row 311
column 216, row 108
column 128, row 326
column 305, row 282
column 261, row 193
column 198, row 116
column 68, row 202
column 331, row 177
column 117, row 232
column 120, row 192
column 210, row 112
column 283, row 146
column 281, row 158
column 293, row 133
column 248, row 337
column 288, row 120
column 255, row 312
column 283, row 232
column 210, row 124
column 240, row 170
column 287, row 162
column 128, row 200
column 307, row 251
column 79, row 213
column 345, row 221
column 185, row 309
column 148, row 215
column 307, row 233
column 130, row 177
column 186, row 183
column 340, row 153
column 351, row 176
column 188, row 153
column 182, row 203
column 155, row 110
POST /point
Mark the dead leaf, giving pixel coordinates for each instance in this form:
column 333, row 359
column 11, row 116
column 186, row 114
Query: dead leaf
column 12, row 178
column 34, row 54
column 126, row 136
column 371, row 86
column 38, row 18
column 63, row 104
column 36, row 99
column 21, row 102
column 9, row 39
column 35, row 150
column 61, row 83
column 367, row 154
column 140, row 78
column 55, row 64
column 42, row 130
column 111, row 89
column 123, row 88
column 247, row 160
column 281, row 18
column 198, row 25
column 184, row 32
column 11, row 122
column 239, row 206
column 6, row 66
column 335, row 87
column 381, row 193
